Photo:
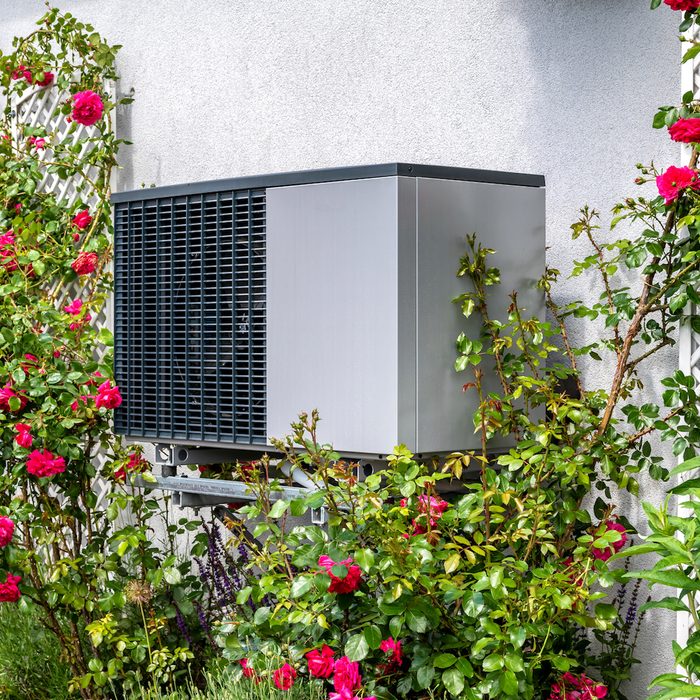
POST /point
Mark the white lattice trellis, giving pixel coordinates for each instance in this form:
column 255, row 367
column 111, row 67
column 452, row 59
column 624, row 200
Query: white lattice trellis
column 689, row 341
column 40, row 107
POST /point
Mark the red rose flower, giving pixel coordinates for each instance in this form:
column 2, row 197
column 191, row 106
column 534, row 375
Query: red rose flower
column 108, row 396
column 683, row 5
column 346, row 675
column 7, row 393
column 24, row 437
column 135, row 465
column 7, row 530
column 571, row 687
column 48, row 79
column 352, row 579
column 605, row 554
column 685, row 130
column 44, row 464
column 82, row 219
column 77, row 325
column 247, row 671
column 76, row 404
column 87, row 107
column 672, row 182
column 85, row 263
column 31, row 362
column 22, row 72
column 284, row 677
column 393, row 647
column 321, row 662
column 9, row 592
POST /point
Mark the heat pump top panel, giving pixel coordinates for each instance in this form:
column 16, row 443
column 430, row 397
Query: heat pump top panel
column 240, row 303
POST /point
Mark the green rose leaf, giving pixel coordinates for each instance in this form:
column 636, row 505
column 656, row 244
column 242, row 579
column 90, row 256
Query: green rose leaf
column 453, row 680
column 444, row 660
column 356, row 648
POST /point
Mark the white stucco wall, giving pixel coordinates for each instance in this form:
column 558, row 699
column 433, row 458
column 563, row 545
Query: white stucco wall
column 561, row 87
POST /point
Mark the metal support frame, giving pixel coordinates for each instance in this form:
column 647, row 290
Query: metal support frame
column 198, row 493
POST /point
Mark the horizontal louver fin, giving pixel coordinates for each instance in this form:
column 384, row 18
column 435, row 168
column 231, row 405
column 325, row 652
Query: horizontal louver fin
column 190, row 317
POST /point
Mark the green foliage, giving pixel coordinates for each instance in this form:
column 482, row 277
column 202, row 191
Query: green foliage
column 675, row 542
column 481, row 592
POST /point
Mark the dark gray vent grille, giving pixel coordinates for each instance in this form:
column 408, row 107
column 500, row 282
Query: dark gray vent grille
column 190, row 317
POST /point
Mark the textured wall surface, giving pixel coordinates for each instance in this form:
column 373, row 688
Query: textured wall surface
column 561, row 87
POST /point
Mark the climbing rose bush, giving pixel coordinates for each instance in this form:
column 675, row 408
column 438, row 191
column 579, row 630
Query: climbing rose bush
column 120, row 608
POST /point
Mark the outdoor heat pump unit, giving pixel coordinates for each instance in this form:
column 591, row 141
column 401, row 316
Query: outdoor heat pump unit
column 240, row 303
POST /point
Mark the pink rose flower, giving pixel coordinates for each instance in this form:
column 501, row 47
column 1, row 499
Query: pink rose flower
column 605, row 554
column 85, row 263
column 87, row 107
column 7, row 530
column 74, row 307
column 82, row 219
column 37, row 143
column 672, row 182
column 348, row 695
column 352, row 579
column 284, row 677
column 685, row 130
column 321, row 663
column 44, row 464
column 6, row 393
column 7, row 240
column 7, row 251
column 9, row 592
column 108, row 396
column 346, row 675
column 683, row 5
column 24, row 437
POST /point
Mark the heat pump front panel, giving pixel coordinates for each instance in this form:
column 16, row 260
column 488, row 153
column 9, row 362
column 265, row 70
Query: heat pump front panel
column 332, row 311
column 190, row 317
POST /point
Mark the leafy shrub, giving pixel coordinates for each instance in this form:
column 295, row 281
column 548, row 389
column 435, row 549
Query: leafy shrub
column 463, row 597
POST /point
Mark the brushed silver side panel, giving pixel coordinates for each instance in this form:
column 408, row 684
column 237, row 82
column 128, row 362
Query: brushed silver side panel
column 406, row 311
column 332, row 296
column 507, row 218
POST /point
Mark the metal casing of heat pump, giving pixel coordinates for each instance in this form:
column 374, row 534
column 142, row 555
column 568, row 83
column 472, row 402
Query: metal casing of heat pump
column 240, row 303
